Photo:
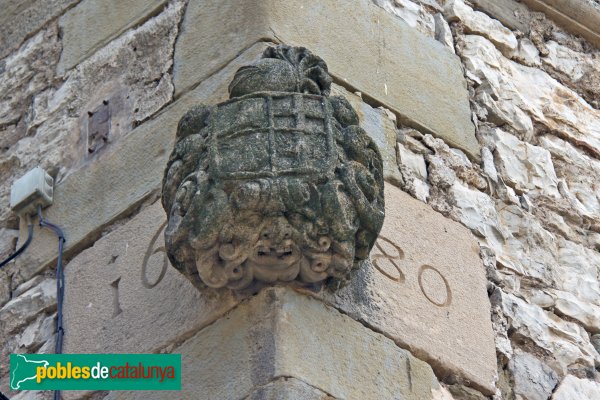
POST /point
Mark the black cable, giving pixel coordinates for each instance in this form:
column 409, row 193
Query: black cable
column 3, row 397
column 60, row 287
column 21, row 249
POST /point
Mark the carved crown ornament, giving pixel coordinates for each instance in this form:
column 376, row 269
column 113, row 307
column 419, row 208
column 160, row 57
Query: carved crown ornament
column 279, row 183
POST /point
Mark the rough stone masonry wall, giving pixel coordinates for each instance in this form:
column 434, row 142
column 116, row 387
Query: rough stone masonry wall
column 533, row 200
column 47, row 97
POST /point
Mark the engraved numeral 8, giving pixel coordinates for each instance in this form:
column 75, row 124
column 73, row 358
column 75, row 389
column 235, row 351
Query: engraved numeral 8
column 391, row 255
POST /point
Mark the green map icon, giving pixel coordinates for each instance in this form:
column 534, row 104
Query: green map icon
column 23, row 369
column 95, row 372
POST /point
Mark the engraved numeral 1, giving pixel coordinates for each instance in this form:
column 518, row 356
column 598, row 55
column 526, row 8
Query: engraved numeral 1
column 116, row 305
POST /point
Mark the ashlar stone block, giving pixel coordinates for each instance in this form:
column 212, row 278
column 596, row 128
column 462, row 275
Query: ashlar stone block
column 103, row 21
column 288, row 388
column 22, row 18
column 512, row 14
column 123, row 293
column 425, row 287
column 281, row 333
column 365, row 48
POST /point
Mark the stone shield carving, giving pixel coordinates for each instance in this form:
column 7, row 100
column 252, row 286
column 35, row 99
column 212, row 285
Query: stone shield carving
column 279, row 183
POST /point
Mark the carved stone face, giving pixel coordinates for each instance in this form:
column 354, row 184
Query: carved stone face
column 277, row 184
column 270, row 251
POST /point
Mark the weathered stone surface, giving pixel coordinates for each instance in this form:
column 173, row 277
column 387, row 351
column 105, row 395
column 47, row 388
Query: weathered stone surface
column 91, row 198
column 518, row 95
column 580, row 71
column 24, row 73
column 573, row 388
column 379, row 127
column 577, row 16
column 22, row 18
column 284, row 388
column 8, row 239
column 130, row 74
column 441, row 394
column 123, row 293
column 406, row 76
column 476, row 210
column 521, row 244
column 49, row 346
column 288, row 388
column 21, row 310
column 410, row 154
column 414, row 14
column 280, row 333
column 519, row 228
column 425, row 288
column 55, row 133
column 461, row 392
column 103, row 21
column 576, row 271
column 438, row 172
column 567, row 343
column 4, row 288
column 414, row 162
column 38, row 332
column 443, row 34
column 25, row 286
column 278, row 183
column 596, row 341
column 511, row 13
column 488, row 164
column 33, row 395
column 579, row 172
column 524, row 166
column 456, row 160
column 564, row 60
column 534, row 228
column 527, row 53
column 479, row 23
column 533, row 380
column 529, row 250
column 586, row 313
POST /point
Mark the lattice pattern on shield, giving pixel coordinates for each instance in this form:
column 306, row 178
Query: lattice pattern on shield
column 271, row 135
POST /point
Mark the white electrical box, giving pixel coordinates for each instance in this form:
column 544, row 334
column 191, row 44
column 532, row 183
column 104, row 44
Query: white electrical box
column 32, row 189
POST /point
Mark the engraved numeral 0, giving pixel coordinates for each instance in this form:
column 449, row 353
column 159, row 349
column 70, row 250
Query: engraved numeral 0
column 431, row 292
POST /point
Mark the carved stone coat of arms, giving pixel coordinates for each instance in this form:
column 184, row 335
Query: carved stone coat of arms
column 279, row 183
